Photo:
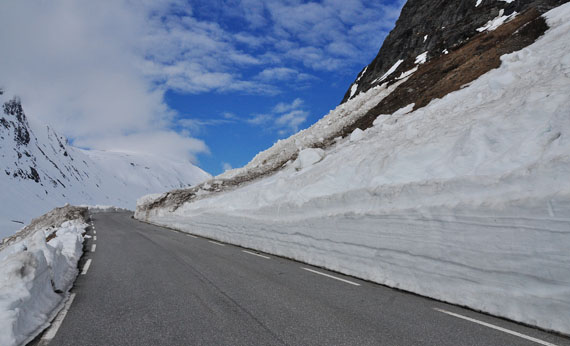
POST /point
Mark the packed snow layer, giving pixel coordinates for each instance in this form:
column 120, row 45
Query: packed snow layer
column 34, row 278
column 466, row 200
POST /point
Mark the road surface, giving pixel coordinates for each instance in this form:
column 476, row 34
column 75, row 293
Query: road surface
column 146, row 285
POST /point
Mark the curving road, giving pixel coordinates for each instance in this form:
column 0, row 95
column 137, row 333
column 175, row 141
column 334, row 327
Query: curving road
column 147, row 285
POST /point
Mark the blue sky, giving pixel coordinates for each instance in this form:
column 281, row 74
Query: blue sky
column 213, row 82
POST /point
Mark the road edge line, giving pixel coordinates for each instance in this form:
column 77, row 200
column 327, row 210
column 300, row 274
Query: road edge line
column 331, row 276
column 256, row 254
column 53, row 329
column 492, row 326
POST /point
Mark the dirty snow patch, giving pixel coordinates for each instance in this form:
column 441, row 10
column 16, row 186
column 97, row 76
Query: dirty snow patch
column 390, row 71
column 497, row 22
column 422, row 58
column 362, row 74
column 353, row 89
column 407, row 73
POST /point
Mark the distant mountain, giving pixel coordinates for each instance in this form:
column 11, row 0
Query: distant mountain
column 40, row 171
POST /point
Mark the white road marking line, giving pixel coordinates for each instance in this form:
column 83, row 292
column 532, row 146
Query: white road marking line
column 193, row 236
column 94, row 232
column 508, row 331
column 52, row 331
column 86, row 267
column 215, row 242
column 256, row 254
column 95, row 237
column 93, row 247
column 330, row 276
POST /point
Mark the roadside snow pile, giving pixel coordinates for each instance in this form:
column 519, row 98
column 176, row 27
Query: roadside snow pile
column 35, row 276
column 466, row 200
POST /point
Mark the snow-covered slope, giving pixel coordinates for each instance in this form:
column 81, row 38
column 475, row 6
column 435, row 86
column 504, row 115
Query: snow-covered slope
column 40, row 171
column 466, row 200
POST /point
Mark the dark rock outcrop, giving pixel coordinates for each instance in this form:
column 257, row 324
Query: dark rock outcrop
column 14, row 108
column 435, row 26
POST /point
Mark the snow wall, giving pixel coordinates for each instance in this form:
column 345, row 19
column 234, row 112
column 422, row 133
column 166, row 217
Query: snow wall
column 466, row 200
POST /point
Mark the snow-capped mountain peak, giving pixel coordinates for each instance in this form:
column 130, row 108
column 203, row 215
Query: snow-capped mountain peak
column 41, row 170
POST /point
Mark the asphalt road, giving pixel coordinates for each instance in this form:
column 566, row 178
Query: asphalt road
column 147, row 285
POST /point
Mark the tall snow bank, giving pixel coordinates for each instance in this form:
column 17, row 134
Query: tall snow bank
column 34, row 278
column 466, row 200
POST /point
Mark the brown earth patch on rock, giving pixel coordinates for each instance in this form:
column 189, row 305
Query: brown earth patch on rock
column 466, row 63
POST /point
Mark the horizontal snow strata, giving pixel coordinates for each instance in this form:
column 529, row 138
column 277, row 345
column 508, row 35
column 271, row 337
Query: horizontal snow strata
column 466, row 200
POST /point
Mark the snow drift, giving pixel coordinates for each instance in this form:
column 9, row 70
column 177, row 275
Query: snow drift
column 36, row 274
column 466, row 200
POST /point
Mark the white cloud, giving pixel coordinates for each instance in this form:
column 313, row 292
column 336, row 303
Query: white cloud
column 194, row 126
column 75, row 66
column 285, row 118
column 291, row 121
column 226, row 166
column 259, row 119
column 98, row 70
column 164, row 143
column 277, row 73
column 283, row 107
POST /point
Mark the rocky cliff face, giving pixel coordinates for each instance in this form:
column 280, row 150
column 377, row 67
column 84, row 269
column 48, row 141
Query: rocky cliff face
column 435, row 28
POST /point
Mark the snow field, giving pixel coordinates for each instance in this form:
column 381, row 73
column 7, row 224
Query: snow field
column 466, row 200
column 34, row 278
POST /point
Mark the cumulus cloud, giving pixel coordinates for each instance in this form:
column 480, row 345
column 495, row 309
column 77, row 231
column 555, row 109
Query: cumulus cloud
column 166, row 143
column 76, row 67
column 290, row 122
column 226, row 166
column 285, row 118
column 285, row 107
column 274, row 74
column 194, row 126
